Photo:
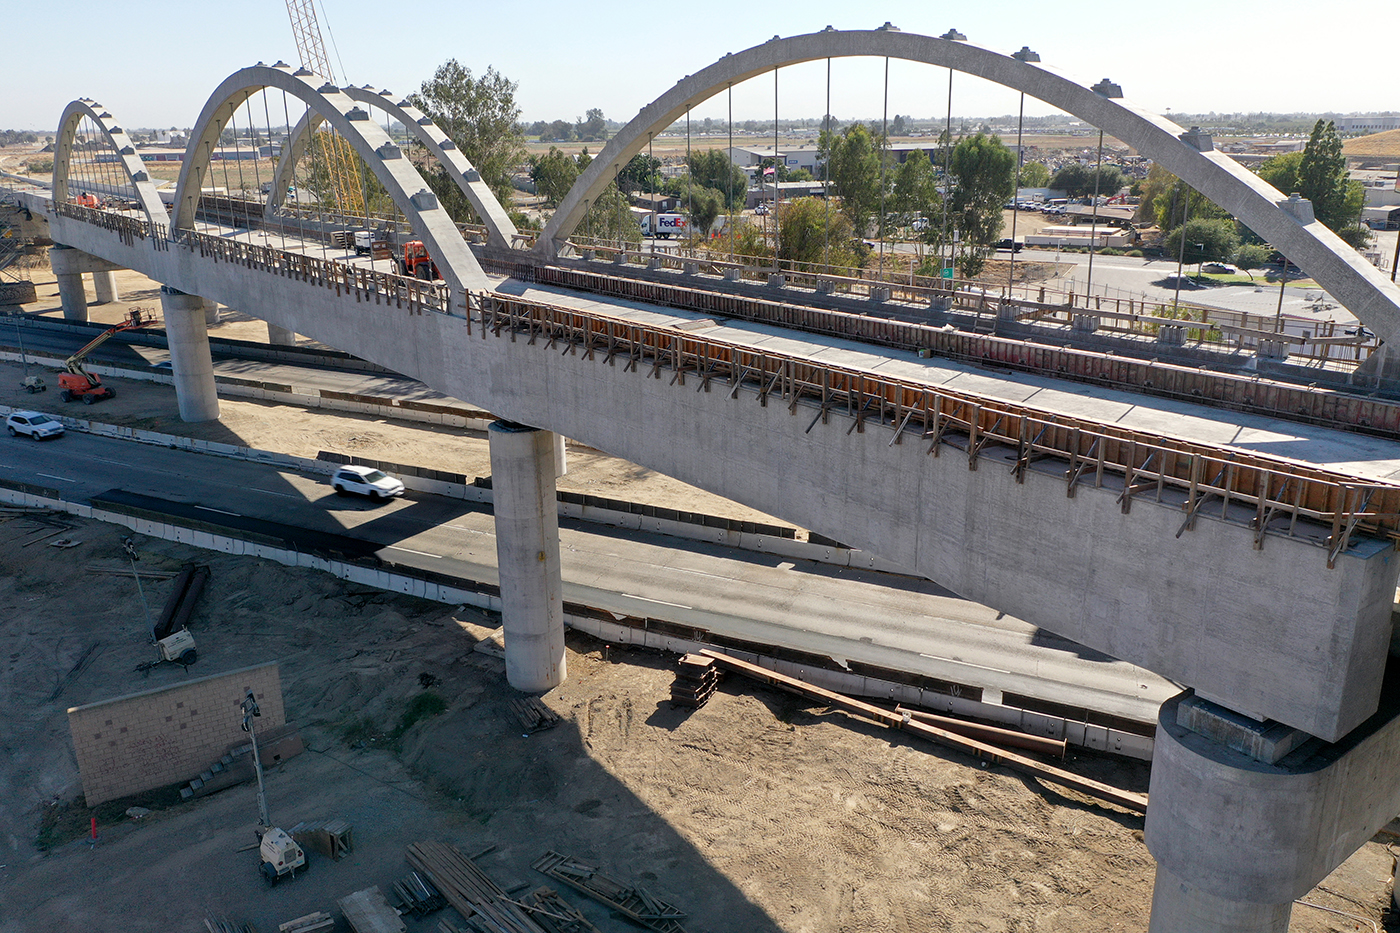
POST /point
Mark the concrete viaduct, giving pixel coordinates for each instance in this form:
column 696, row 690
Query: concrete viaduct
column 1262, row 583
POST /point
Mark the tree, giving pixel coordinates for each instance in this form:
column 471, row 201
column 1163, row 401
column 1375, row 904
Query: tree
column 810, row 234
column 984, row 176
column 479, row 115
column 1077, row 180
column 915, row 189
column 898, row 126
column 711, row 168
column 593, row 127
column 643, row 173
column 553, row 174
column 1323, row 180
column 1034, row 175
column 704, row 206
column 1206, row 240
column 610, row 217
column 1251, row 256
column 854, row 172
column 1281, row 171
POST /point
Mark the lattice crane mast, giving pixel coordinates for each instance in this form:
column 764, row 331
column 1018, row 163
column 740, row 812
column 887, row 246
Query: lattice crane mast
column 334, row 152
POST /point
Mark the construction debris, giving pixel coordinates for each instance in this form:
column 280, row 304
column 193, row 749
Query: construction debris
column 368, row 912
column 533, row 714
column 319, row 922
column 332, row 838
column 484, row 907
column 634, row 902
column 696, row 676
column 417, row 896
column 554, row 913
column 1135, row 802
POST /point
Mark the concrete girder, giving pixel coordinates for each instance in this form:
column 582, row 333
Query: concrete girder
column 499, row 228
column 1359, row 286
column 128, row 158
column 398, row 176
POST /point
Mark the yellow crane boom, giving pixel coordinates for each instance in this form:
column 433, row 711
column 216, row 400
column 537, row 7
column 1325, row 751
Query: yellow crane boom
column 329, row 146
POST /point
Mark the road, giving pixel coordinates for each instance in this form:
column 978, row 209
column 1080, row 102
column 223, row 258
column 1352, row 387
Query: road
column 898, row 622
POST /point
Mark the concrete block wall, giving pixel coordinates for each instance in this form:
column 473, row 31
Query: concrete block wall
column 145, row 740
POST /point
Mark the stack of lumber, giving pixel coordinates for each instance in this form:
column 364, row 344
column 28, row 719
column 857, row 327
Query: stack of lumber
column 417, row 896
column 483, row 905
column 332, row 838
column 319, row 922
column 222, row 925
column 368, row 912
column 635, row 902
column 533, row 714
column 696, row 677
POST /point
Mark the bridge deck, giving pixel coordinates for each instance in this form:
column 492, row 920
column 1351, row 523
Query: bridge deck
column 1367, row 458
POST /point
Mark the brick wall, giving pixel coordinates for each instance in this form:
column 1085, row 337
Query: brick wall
column 168, row 735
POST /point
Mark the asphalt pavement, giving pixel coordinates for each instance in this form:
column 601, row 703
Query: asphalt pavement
column 852, row 615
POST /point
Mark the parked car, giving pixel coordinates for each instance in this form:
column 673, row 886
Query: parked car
column 1219, row 268
column 34, row 424
column 1007, row 244
column 762, row 208
column 366, row 481
column 919, row 224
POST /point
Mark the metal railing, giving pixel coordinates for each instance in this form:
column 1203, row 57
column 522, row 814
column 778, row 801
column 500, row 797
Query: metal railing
column 1269, row 495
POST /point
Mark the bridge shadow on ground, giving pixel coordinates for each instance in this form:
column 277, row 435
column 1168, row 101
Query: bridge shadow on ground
column 760, row 811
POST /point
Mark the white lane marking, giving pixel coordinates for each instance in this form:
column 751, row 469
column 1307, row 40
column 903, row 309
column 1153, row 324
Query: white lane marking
column 660, row 602
column 472, row 530
column 394, row 547
column 61, row 479
column 700, row 573
column 220, row 511
column 982, row 667
column 269, row 492
column 109, row 460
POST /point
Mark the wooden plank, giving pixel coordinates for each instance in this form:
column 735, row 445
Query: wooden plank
column 1130, row 801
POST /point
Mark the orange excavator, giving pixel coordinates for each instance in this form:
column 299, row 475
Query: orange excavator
column 78, row 383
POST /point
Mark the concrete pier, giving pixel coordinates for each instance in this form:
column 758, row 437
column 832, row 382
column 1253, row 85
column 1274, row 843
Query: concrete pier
column 527, row 550
column 104, row 286
column 190, row 362
column 66, row 265
column 211, row 312
column 1238, row 838
column 280, row 336
column 561, row 456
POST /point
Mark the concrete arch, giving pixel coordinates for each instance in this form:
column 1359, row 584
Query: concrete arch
column 130, row 161
column 1289, row 225
column 408, row 189
column 499, row 228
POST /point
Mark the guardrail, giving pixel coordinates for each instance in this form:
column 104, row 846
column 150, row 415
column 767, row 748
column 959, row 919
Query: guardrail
column 1269, row 495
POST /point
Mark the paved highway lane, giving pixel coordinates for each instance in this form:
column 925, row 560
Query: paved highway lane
column 849, row 614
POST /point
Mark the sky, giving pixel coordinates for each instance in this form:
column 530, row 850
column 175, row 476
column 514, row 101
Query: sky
column 153, row 63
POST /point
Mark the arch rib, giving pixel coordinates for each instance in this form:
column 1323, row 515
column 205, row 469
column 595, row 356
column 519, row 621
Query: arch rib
column 1337, row 267
column 500, row 231
column 129, row 159
column 394, row 171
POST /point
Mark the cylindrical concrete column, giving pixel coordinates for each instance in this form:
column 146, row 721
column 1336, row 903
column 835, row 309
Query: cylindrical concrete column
column 527, row 551
column 211, row 312
column 190, row 362
column 65, row 263
column 104, row 286
column 1181, row 907
column 280, row 336
column 561, row 456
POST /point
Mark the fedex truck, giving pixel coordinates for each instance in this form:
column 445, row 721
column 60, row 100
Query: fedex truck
column 667, row 225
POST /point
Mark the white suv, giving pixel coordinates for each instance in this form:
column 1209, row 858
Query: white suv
column 366, row 481
column 36, row 425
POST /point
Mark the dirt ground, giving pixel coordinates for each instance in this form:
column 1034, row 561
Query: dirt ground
column 758, row 812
